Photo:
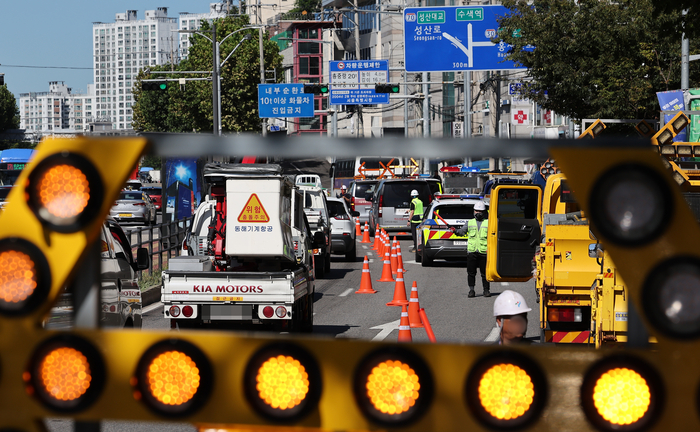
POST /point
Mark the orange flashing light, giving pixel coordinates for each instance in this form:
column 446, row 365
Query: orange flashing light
column 506, row 391
column 64, row 191
column 393, row 387
column 18, row 278
column 173, row 378
column 621, row 396
column 283, row 382
column 65, row 373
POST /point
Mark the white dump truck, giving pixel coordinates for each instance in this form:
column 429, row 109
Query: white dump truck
column 248, row 257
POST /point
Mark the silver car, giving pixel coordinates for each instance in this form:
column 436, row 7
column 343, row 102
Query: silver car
column 134, row 206
column 120, row 293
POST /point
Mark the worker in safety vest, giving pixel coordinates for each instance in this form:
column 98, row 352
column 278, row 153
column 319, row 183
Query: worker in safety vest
column 477, row 229
column 510, row 310
column 415, row 216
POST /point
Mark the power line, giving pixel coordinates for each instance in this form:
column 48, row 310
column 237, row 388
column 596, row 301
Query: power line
column 45, row 67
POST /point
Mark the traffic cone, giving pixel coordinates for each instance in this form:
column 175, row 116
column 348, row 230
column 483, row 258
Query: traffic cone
column 386, row 270
column 366, row 282
column 404, row 327
column 394, row 261
column 358, row 229
column 377, row 235
column 365, row 234
column 399, row 258
column 399, row 291
column 414, row 308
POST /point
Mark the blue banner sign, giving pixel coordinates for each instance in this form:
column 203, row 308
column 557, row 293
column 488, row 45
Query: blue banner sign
column 284, row 100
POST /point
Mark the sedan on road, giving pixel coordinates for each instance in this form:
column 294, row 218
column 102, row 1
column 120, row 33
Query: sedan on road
column 134, row 206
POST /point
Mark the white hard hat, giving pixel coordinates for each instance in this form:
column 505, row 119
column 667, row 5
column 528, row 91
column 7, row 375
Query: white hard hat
column 509, row 303
column 480, row 206
column 343, row 187
column 414, row 192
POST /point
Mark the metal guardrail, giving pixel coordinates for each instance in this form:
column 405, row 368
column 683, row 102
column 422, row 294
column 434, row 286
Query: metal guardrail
column 162, row 240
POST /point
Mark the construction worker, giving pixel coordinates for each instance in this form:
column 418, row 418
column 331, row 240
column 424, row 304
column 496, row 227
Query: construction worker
column 510, row 310
column 477, row 229
column 415, row 216
column 345, row 195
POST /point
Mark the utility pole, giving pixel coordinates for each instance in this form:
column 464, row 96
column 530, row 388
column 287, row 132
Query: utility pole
column 360, row 126
column 467, row 104
column 426, row 106
column 215, row 80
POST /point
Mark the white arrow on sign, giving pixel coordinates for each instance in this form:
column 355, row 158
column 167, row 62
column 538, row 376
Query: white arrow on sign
column 468, row 50
column 386, row 330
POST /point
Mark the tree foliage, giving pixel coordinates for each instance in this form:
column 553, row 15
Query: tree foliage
column 189, row 108
column 688, row 24
column 593, row 58
column 309, row 6
column 9, row 111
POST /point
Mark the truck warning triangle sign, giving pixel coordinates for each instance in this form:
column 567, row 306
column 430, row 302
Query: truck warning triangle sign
column 253, row 211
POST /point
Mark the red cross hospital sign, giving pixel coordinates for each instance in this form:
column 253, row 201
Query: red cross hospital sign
column 520, row 117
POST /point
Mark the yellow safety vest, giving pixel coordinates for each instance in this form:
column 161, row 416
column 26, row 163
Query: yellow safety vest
column 477, row 237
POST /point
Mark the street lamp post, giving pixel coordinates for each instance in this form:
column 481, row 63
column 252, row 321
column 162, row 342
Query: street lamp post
column 216, row 69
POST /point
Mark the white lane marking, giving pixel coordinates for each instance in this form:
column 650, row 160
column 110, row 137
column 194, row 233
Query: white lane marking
column 151, row 307
column 493, row 336
column 370, row 260
column 410, row 262
column 347, row 292
column 386, row 329
column 504, row 284
column 364, row 247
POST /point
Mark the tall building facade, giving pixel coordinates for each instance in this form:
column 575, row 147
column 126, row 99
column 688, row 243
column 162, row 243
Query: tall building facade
column 193, row 21
column 121, row 50
column 56, row 110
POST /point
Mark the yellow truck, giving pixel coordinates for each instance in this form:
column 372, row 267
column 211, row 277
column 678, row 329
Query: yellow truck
column 543, row 234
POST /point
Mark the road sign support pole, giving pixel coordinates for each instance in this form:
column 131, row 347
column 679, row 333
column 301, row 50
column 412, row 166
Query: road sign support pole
column 467, row 104
column 262, row 73
column 405, row 104
column 334, row 121
column 426, row 106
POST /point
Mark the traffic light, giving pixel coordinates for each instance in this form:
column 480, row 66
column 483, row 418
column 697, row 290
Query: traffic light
column 317, row 89
column 593, row 130
column 669, row 131
column 645, row 129
column 387, row 88
column 154, row 85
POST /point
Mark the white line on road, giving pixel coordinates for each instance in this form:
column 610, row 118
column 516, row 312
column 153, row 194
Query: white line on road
column 154, row 306
column 347, row 292
column 370, row 260
column 410, row 262
column 493, row 336
column 504, row 284
column 364, row 247
column 386, row 330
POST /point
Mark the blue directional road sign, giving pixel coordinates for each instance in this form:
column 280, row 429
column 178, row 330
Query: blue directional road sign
column 454, row 38
column 284, row 100
column 352, row 82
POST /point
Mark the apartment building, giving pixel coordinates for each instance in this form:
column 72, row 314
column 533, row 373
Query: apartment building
column 193, row 21
column 121, row 50
column 58, row 109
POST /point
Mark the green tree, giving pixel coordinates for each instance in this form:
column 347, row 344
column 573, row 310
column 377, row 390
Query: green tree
column 310, row 6
column 594, row 59
column 188, row 108
column 9, row 111
column 688, row 24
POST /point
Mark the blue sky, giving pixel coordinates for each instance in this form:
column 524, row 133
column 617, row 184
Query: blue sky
column 58, row 33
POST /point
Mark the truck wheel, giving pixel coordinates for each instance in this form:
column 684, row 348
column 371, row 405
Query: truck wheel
column 319, row 266
column 351, row 255
column 308, row 323
column 327, row 263
column 426, row 262
column 418, row 257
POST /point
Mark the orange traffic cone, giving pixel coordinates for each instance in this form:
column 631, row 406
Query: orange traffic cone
column 365, row 234
column 414, row 308
column 366, row 282
column 386, row 270
column 377, row 235
column 394, row 261
column 399, row 291
column 404, row 327
column 358, row 229
column 399, row 258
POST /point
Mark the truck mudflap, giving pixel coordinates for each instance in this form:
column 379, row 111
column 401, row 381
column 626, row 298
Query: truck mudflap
column 568, row 336
column 233, row 287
